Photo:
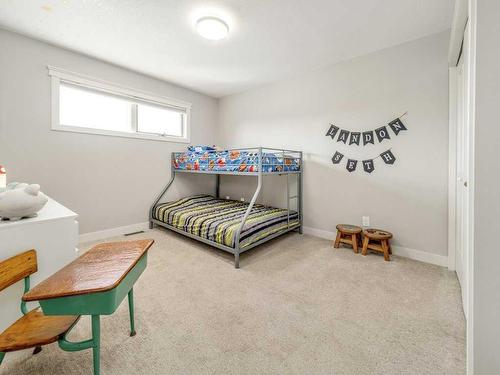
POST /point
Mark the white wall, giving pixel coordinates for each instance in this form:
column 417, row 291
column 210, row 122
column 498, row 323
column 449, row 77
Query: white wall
column 409, row 198
column 111, row 181
column 486, row 302
column 108, row 181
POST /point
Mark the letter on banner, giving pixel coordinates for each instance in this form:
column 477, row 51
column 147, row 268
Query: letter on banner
column 351, row 165
column 343, row 135
column 355, row 138
column 332, row 132
column 388, row 157
column 382, row 133
column 368, row 138
column 397, row 126
column 368, row 166
column 337, row 157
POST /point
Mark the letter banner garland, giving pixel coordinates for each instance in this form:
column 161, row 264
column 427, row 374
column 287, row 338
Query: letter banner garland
column 381, row 133
column 368, row 165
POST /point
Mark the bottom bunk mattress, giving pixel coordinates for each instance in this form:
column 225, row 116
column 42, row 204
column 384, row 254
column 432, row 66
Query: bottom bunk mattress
column 218, row 220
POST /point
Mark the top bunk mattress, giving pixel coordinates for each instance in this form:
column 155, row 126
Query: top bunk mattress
column 234, row 161
column 217, row 220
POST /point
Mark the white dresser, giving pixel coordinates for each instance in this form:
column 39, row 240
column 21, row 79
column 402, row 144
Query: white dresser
column 54, row 236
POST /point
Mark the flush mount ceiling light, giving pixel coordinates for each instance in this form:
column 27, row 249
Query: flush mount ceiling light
column 212, row 28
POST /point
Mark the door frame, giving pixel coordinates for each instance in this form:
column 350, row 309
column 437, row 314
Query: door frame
column 452, row 165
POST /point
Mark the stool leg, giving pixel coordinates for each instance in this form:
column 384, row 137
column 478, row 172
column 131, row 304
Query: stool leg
column 386, row 250
column 354, row 238
column 365, row 245
column 131, row 311
column 389, row 246
column 337, row 240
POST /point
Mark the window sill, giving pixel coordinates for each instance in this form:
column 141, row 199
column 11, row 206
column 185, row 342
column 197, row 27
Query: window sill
column 144, row 136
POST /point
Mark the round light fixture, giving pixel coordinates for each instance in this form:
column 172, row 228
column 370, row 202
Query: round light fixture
column 212, row 28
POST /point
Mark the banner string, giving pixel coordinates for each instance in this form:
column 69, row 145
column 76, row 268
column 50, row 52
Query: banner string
column 380, row 155
column 361, row 131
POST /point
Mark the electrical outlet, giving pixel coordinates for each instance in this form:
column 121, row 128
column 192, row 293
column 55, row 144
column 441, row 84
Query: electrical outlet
column 228, row 197
column 365, row 220
column 242, row 199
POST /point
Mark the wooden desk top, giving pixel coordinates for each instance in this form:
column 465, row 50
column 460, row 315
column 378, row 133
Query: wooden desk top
column 100, row 269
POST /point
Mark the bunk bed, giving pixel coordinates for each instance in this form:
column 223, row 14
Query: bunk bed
column 233, row 226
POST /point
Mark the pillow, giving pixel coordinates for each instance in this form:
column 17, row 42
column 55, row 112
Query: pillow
column 201, row 149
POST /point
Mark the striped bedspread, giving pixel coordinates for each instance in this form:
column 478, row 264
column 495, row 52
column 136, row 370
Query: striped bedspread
column 218, row 219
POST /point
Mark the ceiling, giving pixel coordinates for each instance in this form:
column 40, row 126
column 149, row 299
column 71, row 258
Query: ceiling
column 269, row 40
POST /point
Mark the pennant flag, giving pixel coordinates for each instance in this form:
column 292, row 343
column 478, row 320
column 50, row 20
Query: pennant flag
column 388, row 157
column 382, row 133
column 397, row 126
column 337, row 157
column 368, row 138
column 351, row 165
column 343, row 135
column 355, row 138
column 368, row 165
column 332, row 132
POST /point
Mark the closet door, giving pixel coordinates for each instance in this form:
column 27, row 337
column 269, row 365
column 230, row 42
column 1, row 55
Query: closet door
column 463, row 160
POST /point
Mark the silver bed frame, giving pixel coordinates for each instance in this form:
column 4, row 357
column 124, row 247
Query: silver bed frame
column 259, row 152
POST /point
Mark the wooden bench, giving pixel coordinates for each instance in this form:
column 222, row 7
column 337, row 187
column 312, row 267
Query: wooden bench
column 33, row 329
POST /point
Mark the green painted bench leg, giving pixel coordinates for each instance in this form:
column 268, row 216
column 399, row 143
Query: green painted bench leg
column 2, row 354
column 96, row 338
column 131, row 311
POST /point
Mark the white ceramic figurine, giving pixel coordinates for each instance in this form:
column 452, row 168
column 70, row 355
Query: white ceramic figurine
column 21, row 200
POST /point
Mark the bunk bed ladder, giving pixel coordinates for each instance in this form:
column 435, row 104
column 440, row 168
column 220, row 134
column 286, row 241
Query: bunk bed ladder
column 290, row 198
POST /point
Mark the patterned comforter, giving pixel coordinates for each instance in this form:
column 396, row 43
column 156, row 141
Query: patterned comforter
column 218, row 219
column 234, row 161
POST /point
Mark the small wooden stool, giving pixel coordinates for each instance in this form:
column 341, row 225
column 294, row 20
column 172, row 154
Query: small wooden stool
column 348, row 234
column 377, row 240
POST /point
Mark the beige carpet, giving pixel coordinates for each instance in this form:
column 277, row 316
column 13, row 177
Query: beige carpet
column 297, row 306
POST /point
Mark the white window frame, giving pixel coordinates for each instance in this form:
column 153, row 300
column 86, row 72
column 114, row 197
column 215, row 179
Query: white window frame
column 59, row 75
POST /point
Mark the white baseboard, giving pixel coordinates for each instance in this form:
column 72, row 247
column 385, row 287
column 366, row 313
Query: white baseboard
column 320, row 233
column 112, row 232
column 420, row 255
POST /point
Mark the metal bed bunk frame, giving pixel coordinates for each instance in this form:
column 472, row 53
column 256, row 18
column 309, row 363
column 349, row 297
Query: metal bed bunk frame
column 237, row 250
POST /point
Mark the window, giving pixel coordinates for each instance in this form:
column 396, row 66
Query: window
column 158, row 120
column 83, row 108
column 84, row 105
